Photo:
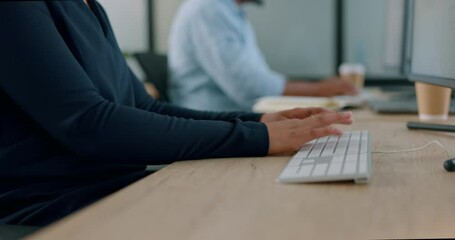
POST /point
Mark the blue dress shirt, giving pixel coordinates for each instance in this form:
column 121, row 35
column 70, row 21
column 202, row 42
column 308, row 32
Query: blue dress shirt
column 214, row 59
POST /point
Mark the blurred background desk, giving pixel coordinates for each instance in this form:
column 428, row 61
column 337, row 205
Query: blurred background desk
column 410, row 196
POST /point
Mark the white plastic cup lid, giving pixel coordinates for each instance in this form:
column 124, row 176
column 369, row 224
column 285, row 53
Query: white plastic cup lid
column 348, row 68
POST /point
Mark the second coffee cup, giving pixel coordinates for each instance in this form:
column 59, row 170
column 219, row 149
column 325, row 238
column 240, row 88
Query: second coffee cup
column 353, row 73
column 433, row 101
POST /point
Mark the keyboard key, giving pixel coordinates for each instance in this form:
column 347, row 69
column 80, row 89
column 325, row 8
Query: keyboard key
column 290, row 172
column 349, row 168
column 338, row 159
column 319, row 170
column 302, row 154
column 345, row 136
column 328, row 152
column 364, row 146
column 351, row 158
column 305, row 170
column 333, row 139
column 341, row 148
column 363, row 168
column 363, row 164
column 307, row 161
column 322, row 140
column 329, row 148
column 317, row 149
column 331, row 145
column 334, row 169
column 353, row 147
column 355, row 136
column 295, row 161
column 307, row 146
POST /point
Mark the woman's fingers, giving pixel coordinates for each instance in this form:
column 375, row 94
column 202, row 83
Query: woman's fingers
column 315, row 133
column 296, row 113
column 294, row 139
column 302, row 113
column 326, row 119
column 289, row 135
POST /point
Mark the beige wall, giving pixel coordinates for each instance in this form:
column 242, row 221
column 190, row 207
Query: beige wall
column 164, row 14
column 129, row 21
column 296, row 36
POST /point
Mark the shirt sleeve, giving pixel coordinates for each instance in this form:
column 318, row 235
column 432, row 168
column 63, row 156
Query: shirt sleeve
column 43, row 78
column 220, row 47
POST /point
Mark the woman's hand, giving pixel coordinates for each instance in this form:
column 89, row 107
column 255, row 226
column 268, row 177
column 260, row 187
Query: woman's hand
column 288, row 136
column 297, row 113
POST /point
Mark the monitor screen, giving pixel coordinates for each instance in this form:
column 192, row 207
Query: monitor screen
column 373, row 35
column 433, row 42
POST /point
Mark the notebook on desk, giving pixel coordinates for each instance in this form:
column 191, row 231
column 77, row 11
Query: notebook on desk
column 280, row 103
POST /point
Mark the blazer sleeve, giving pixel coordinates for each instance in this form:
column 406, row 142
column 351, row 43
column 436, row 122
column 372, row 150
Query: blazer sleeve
column 40, row 74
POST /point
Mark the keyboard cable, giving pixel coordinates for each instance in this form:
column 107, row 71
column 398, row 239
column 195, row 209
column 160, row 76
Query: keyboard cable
column 450, row 153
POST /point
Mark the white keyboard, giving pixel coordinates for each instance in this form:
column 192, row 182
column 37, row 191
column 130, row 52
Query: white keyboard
column 331, row 159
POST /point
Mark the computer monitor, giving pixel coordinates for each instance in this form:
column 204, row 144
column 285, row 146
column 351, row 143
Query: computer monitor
column 433, row 42
column 373, row 33
column 433, row 48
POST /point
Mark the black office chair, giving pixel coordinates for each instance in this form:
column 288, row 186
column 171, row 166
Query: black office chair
column 156, row 71
column 13, row 232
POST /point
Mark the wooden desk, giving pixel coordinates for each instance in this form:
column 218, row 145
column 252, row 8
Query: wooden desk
column 409, row 196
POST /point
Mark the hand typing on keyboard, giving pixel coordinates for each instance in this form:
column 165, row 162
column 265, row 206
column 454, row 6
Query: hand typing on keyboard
column 334, row 158
column 289, row 130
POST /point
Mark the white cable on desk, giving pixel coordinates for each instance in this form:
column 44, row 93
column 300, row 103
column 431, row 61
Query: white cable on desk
column 436, row 142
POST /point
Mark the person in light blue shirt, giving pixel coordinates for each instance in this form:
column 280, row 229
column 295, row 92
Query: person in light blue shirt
column 216, row 64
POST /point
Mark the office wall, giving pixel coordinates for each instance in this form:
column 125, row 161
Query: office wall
column 373, row 35
column 296, row 36
column 164, row 11
column 129, row 20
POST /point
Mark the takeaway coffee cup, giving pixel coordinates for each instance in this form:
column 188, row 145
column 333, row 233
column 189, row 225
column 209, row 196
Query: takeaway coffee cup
column 433, row 101
column 353, row 73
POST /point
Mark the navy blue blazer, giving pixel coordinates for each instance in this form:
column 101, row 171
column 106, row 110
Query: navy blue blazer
column 77, row 125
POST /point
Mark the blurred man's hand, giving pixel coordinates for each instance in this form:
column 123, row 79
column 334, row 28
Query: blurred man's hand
column 335, row 86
